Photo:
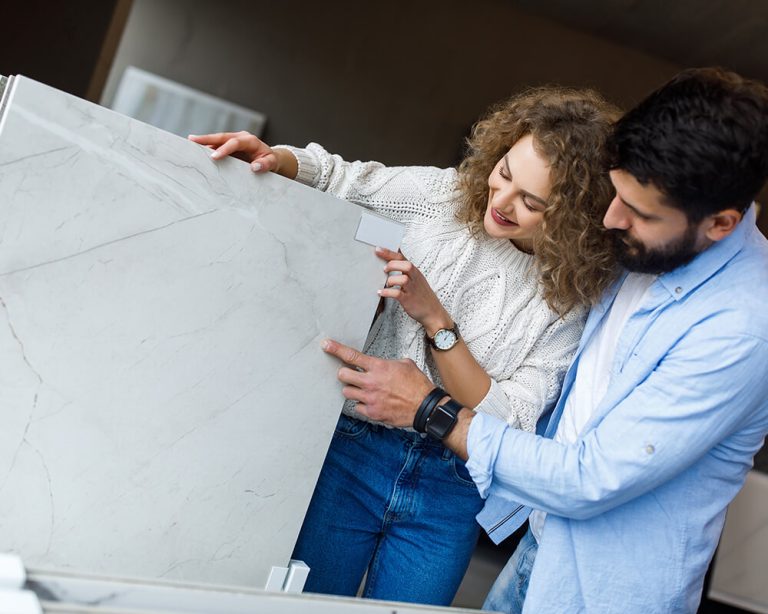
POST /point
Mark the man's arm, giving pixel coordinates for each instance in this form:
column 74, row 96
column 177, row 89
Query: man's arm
column 703, row 391
column 391, row 391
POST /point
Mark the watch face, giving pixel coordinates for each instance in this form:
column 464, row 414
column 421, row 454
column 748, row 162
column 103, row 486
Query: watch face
column 445, row 339
column 440, row 422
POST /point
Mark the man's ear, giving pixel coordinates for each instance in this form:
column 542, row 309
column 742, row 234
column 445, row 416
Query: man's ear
column 719, row 225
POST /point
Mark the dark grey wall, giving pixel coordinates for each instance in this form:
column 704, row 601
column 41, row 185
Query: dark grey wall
column 400, row 81
column 58, row 43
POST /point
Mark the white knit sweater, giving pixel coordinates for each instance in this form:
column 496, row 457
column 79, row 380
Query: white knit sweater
column 487, row 285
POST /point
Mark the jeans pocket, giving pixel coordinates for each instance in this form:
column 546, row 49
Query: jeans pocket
column 351, row 428
column 460, row 472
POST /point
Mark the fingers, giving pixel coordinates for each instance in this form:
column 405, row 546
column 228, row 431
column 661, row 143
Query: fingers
column 210, row 139
column 401, row 266
column 395, row 293
column 243, row 145
column 351, row 377
column 388, row 254
column 397, row 280
column 348, row 355
column 352, row 393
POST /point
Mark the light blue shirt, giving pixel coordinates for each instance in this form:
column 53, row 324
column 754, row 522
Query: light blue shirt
column 635, row 507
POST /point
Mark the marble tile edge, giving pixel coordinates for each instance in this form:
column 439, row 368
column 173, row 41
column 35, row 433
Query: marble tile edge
column 6, row 86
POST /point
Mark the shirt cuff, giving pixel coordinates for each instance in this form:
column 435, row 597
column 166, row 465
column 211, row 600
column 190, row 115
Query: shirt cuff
column 484, row 441
column 308, row 167
column 495, row 402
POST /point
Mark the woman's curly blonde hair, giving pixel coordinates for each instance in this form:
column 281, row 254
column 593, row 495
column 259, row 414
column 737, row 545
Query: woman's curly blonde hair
column 569, row 129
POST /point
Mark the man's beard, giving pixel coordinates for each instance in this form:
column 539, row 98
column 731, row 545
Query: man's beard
column 636, row 257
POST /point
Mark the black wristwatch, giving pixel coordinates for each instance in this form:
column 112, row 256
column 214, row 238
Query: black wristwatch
column 442, row 419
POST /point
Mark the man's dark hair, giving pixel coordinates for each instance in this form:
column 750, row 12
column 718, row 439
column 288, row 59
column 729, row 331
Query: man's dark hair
column 701, row 139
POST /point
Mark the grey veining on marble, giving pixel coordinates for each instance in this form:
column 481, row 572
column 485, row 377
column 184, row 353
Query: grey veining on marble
column 165, row 404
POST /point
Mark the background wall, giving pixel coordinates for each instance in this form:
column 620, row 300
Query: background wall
column 400, row 82
column 68, row 45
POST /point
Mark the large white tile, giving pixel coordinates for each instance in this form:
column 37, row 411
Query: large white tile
column 165, row 404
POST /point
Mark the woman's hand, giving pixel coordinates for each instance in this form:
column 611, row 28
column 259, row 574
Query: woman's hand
column 413, row 292
column 246, row 146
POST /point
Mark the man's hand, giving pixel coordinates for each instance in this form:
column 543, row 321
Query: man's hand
column 385, row 390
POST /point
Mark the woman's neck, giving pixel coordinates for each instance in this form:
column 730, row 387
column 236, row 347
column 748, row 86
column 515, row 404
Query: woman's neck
column 524, row 245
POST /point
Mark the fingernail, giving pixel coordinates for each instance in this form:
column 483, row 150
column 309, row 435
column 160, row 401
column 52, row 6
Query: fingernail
column 215, row 155
column 326, row 344
column 379, row 249
column 191, row 136
column 256, row 166
column 378, row 292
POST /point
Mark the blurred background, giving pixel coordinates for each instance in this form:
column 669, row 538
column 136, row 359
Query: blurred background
column 400, row 82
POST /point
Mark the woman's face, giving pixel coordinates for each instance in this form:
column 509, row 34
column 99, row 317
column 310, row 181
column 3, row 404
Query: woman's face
column 518, row 189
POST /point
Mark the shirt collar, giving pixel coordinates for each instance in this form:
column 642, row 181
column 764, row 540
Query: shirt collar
column 684, row 279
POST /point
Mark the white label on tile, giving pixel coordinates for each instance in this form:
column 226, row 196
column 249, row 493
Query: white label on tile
column 379, row 231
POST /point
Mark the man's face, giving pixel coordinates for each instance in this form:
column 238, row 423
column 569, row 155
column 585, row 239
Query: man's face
column 649, row 236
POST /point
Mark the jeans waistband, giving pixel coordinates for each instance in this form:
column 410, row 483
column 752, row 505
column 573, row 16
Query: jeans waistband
column 408, row 435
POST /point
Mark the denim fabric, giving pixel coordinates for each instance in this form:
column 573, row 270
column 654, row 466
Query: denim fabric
column 508, row 591
column 393, row 504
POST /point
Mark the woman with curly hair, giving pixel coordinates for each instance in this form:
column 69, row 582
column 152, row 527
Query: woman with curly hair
column 500, row 262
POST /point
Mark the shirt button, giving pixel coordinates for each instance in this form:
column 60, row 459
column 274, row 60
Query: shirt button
column 649, row 449
column 678, row 290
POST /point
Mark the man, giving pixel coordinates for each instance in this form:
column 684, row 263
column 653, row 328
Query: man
column 666, row 401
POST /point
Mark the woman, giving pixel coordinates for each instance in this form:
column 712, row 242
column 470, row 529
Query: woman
column 500, row 262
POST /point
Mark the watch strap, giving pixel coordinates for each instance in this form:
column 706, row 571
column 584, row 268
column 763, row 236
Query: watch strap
column 425, row 408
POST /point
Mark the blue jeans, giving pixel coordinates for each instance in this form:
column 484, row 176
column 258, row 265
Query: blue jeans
column 508, row 591
column 393, row 504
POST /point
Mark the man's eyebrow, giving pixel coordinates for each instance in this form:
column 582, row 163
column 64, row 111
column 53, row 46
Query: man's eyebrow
column 527, row 193
column 637, row 211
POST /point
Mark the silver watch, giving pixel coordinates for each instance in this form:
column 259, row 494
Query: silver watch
column 445, row 338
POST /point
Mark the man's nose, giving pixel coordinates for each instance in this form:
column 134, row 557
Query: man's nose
column 616, row 215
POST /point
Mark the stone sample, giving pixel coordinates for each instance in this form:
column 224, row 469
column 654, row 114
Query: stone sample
column 165, row 403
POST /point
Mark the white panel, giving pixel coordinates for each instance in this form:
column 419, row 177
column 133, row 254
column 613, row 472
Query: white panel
column 165, row 403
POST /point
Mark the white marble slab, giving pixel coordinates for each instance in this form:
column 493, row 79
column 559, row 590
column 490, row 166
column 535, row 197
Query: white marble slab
column 740, row 575
column 61, row 592
column 165, row 404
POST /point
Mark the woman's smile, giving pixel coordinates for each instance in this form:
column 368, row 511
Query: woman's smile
column 500, row 219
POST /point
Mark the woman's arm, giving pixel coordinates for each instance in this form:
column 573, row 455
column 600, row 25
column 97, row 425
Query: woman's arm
column 399, row 192
column 463, row 378
column 518, row 399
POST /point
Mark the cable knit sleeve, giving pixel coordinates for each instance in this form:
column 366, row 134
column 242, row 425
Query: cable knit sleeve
column 403, row 193
column 535, row 385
